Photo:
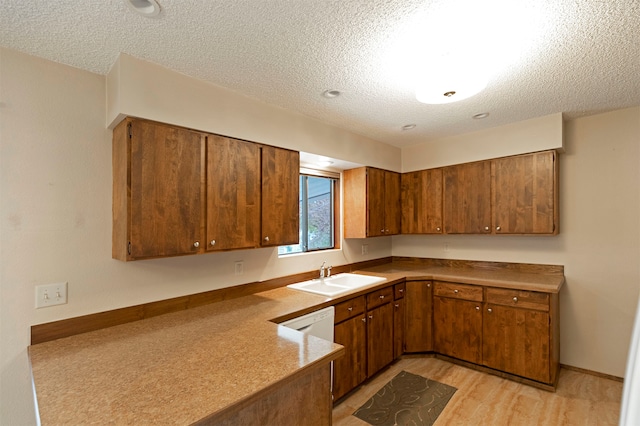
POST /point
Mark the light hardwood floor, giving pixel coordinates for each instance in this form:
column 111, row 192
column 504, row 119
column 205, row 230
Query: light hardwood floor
column 483, row 399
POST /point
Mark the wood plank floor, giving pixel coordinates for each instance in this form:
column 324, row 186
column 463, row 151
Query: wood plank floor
column 483, row 399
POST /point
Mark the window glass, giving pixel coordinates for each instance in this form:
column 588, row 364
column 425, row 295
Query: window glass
column 317, row 228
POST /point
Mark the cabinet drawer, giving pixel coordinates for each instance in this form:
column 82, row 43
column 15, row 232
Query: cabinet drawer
column 399, row 291
column 520, row 298
column 458, row 291
column 379, row 297
column 348, row 309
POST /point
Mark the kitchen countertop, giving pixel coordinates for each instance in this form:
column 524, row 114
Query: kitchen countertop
column 183, row 366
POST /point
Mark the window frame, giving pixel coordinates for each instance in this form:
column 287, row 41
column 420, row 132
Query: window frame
column 335, row 207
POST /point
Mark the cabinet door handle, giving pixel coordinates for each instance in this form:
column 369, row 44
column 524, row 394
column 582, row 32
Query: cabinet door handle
column 477, row 308
column 486, row 228
column 489, row 310
column 364, row 319
column 370, row 316
column 438, row 229
column 397, row 305
column 196, row 244
column 382, row 231
column 401, row 290
column 498, row 228
column 266, row 239
column 349, row 309
column 428, row 284
column 382, row 296
column 213, row 242
column 515, row 300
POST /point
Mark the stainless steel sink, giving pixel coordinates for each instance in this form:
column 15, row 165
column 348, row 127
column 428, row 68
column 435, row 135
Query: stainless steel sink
column 337, row 284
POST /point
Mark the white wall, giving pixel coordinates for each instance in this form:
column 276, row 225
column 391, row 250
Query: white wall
column 536, row 134
column 599, row 240
column 55, row 205
column 146, row 90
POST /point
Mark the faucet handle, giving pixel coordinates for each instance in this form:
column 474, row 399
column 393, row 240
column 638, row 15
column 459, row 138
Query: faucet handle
column 329, row 271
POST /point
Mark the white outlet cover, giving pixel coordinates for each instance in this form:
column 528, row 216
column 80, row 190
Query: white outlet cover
column 51, row 295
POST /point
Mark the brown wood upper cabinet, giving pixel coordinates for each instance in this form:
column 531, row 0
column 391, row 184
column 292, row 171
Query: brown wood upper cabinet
column 158, row 191
column 280, row 196
column 467, row 198
column 178, row 191
column 510, row 195
column 524, row 194
column 421, row 194
column 371, row 202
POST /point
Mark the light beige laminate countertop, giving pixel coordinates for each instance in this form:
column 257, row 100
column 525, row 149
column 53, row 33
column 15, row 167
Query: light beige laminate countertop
column 181, row 367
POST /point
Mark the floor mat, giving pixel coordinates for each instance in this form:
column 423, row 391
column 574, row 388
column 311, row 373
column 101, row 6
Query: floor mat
column 407, row 399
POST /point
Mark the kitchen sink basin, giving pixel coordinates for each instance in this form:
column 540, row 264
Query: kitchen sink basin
column 337, row 284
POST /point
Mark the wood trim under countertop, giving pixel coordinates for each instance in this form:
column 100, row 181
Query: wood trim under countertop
column 41, row 333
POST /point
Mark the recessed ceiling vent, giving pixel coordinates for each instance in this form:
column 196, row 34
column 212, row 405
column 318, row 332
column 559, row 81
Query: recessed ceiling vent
column 148, row 8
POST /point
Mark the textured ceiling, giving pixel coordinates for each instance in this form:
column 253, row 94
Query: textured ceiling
column 577, row 57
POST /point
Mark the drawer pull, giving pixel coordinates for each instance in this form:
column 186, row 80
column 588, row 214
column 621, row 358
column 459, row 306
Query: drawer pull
column 428, row 285
column 397, row 305
column 455, row 291
column 349, row 309
column 382, row 296
column 401, row 290
column 515, row 300
column 370, row 316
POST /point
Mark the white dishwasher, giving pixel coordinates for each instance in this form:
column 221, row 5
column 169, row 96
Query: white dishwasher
column 318, row 323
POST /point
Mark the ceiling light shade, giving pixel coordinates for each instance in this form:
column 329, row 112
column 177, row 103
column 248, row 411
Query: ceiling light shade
column 148, row 8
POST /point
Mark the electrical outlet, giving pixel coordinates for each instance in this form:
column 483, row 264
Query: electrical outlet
column 239, row 267
column 365, row 249
column 51, row 295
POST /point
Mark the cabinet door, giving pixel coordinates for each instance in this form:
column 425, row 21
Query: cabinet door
column 517, row 341
column 419, row 316
column 524, row 194
column 392, row 215
column 233, row 194
column 458, row 328
column 351, row 369
column 280, row 197
column 399, row 316
column 467, row 198
column 375, row 202
column 422, row 202
column 167, row 190
column 379, row 338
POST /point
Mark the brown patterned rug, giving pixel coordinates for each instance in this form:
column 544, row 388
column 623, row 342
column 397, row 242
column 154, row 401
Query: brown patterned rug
column 407, row 399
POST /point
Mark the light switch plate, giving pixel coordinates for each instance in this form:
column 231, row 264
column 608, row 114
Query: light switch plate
column 51, row 295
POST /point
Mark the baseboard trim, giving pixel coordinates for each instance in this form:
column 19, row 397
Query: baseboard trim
column 592, row 373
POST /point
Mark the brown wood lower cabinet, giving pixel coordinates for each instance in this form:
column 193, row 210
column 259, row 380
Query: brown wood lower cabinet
column 458, row 328
column 514, row 333
column 518, row 331
column 418, row 335
column 366, row 326
column 350, row 370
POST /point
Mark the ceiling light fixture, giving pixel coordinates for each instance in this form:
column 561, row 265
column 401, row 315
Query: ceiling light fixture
column 147, row 8
column 408, row 127
column 480, row 115
column 450, row 83
column 331, row 93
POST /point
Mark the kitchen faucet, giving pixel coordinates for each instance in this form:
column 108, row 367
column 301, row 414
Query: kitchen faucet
column 323, row 269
